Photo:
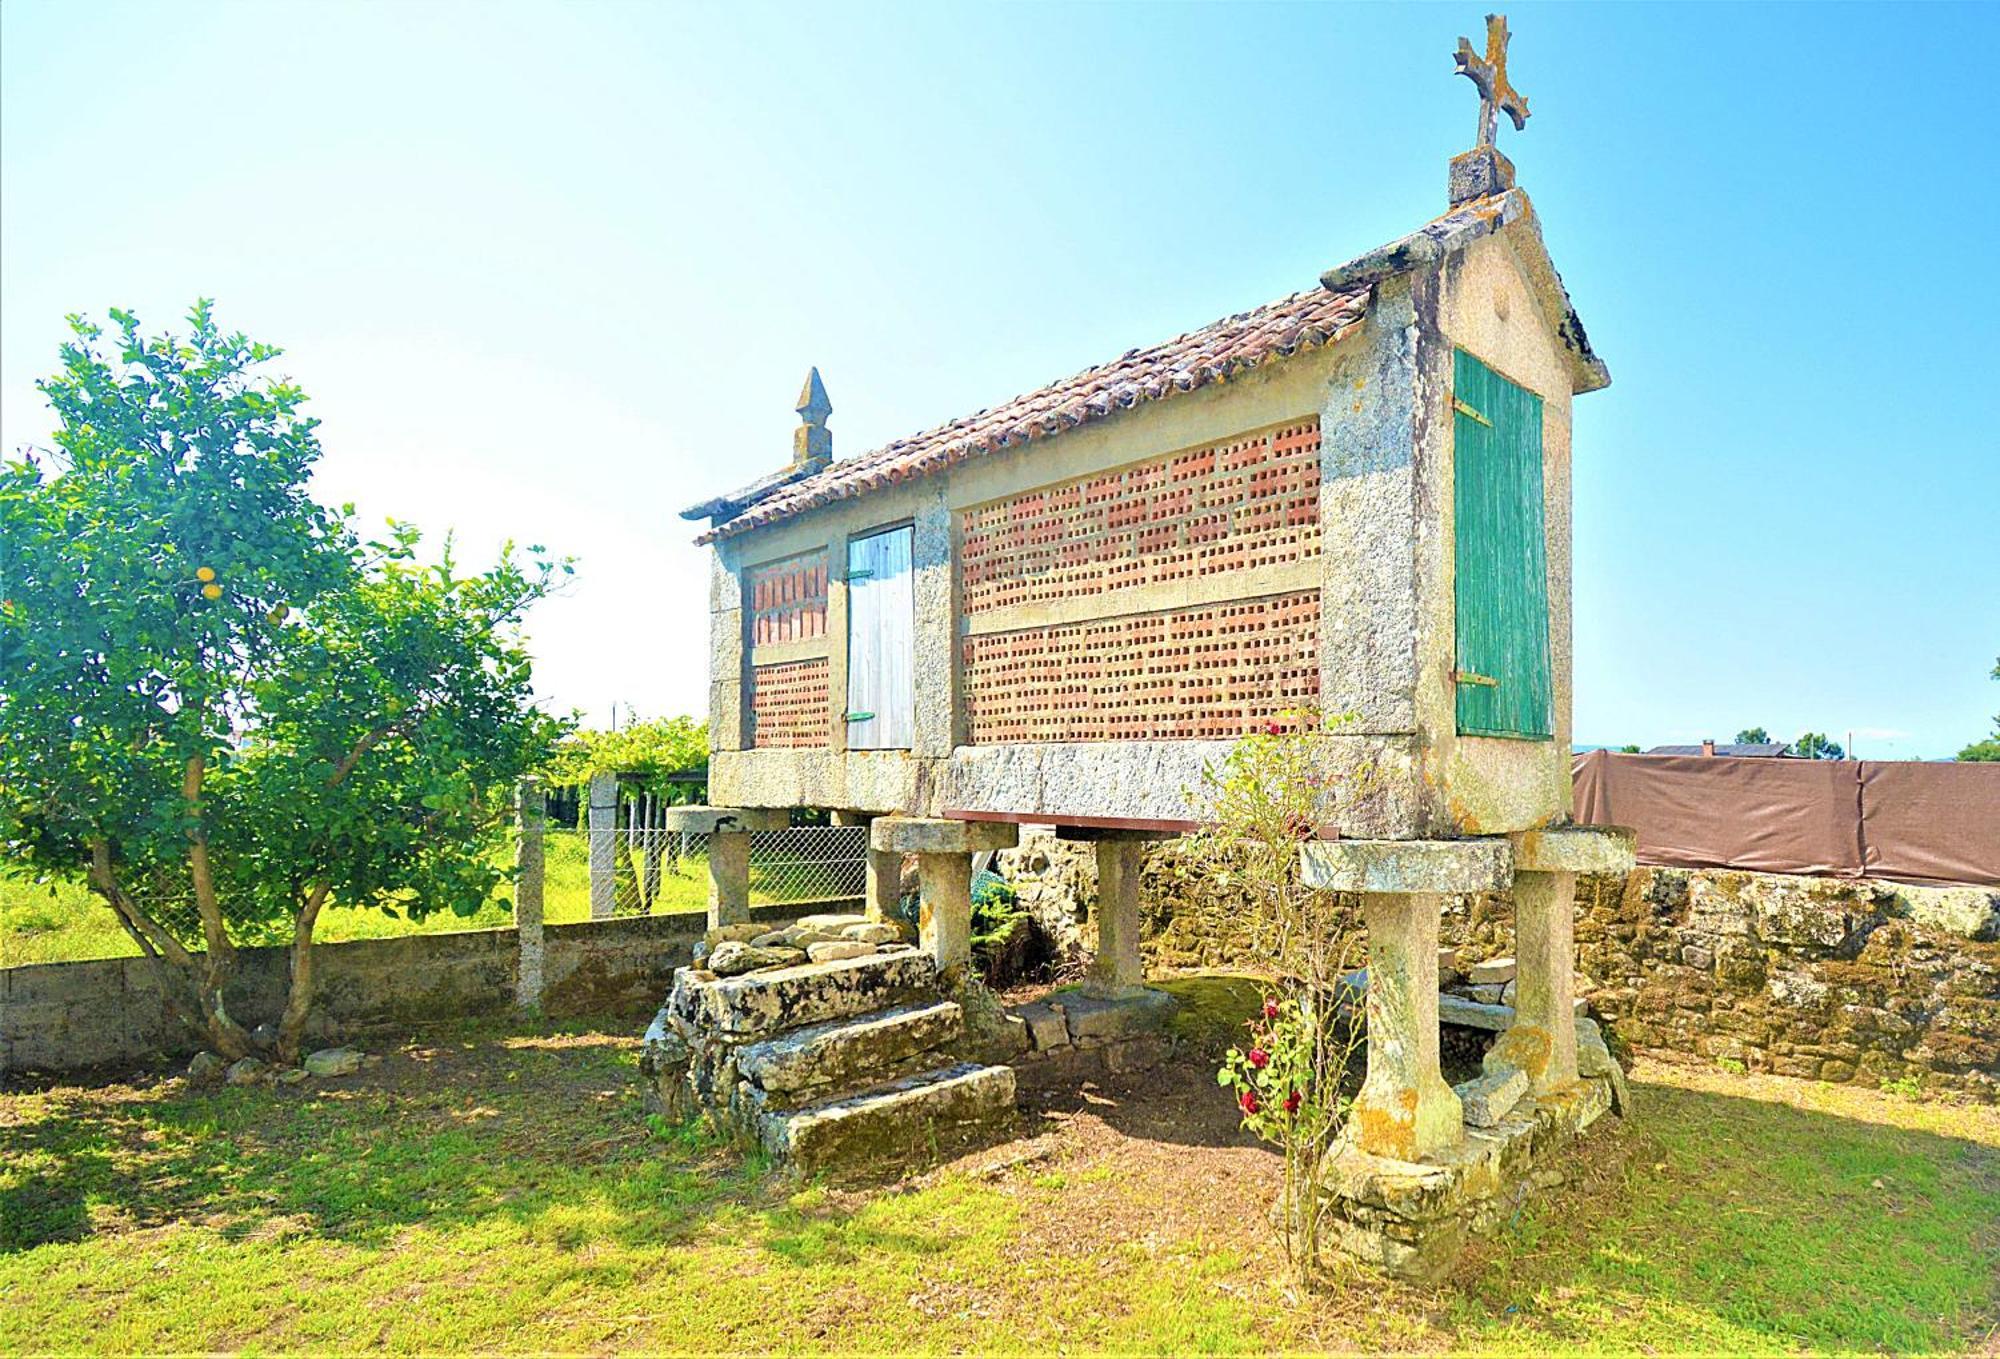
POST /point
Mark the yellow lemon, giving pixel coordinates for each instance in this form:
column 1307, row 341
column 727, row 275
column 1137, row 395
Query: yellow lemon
column 211, row 592
column 204, row 575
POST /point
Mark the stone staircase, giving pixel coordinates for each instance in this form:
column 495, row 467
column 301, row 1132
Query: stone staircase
column 852, row 1067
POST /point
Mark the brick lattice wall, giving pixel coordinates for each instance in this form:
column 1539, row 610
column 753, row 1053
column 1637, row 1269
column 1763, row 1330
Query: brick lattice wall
column 1249, row 502
column 790, row 704
column 788, row 599
column 1208, row 671
column 1212, row 672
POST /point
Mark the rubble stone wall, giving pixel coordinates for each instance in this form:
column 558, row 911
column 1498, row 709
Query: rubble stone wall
column 1831, row 979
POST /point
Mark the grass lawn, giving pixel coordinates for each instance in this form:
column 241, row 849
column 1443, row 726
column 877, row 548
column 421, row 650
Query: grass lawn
column 63, row 922
column 500, row 1188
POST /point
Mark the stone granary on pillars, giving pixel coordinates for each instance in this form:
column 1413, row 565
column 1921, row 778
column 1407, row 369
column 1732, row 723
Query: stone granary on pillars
column 1353, row 500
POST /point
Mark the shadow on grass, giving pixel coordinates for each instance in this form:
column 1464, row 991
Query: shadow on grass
column 448, row 1130
column 1712, row 1221
column 542, row 1128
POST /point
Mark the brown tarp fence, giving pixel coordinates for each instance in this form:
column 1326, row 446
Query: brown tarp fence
column 1907, row 821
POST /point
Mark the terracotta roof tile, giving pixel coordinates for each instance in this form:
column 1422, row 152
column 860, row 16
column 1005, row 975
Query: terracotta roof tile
column 1303, row 321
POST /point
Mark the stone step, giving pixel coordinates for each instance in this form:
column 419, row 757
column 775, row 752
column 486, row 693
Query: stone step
column 843, row 1055
column 893, row 1125
column 757, row 1004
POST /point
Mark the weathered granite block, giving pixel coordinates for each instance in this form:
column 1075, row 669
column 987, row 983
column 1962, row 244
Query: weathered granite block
column 1492, row 1097
column 1413, row 1219
column 894, row 1124
column 762, row 1003
column 1095, row 1019
column 1047, row 1026
column 836, row 1054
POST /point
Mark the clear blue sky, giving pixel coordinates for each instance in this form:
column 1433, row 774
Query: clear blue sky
column 556, row 271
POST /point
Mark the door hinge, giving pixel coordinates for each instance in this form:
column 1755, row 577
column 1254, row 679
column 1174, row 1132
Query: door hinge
column 1470, row 413
column 1470, row 677
column 860, row 717
column 863, row 574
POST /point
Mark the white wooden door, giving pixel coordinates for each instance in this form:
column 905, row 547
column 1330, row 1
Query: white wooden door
column 881, row 642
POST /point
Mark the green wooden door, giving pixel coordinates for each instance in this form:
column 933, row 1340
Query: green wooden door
column 1502, row 559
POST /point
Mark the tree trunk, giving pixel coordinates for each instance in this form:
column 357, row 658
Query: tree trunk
column 189, row 983
column 298, row 1000
column 218, row 963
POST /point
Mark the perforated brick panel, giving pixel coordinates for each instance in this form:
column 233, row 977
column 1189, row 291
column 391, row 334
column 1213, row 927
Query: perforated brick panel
column 790, row 704
column 788, row 599
column 1214, row 672
column 1249, row 502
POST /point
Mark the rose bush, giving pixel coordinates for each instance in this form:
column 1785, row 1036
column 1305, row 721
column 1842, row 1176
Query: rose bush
column 1269, row 795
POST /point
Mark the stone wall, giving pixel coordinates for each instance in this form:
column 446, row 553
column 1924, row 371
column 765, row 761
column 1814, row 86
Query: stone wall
column 1832, row 979
column 60, row 1017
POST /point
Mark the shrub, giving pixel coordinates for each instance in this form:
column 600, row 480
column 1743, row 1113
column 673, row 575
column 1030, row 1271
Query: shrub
column 1256, row 808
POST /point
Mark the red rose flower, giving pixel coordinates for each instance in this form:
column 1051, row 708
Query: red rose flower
column 1249, row 1102
column 1259, row 1058
column 1271, row 729
column 1292, row 1102
column 1270, row 1008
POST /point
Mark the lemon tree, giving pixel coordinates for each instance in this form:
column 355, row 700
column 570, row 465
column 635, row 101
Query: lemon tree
column 218, row 703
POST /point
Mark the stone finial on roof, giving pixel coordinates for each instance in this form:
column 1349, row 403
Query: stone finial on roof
column 812, row 442
column 1483, row 171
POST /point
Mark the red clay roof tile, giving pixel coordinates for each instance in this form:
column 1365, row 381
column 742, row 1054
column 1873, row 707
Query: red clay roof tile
column 1303, row 321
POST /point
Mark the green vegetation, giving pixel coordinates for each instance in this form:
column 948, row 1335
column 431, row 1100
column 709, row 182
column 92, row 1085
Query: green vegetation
column 1288, row 1072
column 1987, row 750
column 227, row 711
column 502, row 1189
column 61, row 921
column 647, row 752
column 1753, row 736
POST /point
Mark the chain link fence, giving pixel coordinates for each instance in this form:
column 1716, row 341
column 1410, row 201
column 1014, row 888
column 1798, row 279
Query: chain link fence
column 646, row 870
column 631, row 869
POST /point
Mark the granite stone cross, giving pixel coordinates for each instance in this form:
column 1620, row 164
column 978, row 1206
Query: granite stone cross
column 1489, row 73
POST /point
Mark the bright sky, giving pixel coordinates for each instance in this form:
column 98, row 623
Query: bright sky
column 555, row 271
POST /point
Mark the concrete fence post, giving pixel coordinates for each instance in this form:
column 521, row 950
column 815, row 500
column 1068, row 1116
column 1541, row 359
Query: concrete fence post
column 603, row 836
column 531, row 810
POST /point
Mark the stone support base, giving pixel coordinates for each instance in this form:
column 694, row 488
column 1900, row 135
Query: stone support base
column 1479, row 173
column 885, row 871
column 1413, row 1220
column 728, row 830
column 1118, row 968
column 944, row 850
column 1541, row 1042
column 944, row 912
column 885, row 884
column 1405, row 1109
column 728, row 878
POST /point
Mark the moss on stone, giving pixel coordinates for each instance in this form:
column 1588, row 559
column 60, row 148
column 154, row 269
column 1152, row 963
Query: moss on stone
column 1213, row 1008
